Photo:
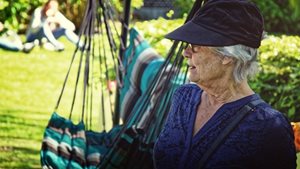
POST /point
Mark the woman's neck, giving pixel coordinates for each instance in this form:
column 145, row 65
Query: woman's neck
column 221, row 93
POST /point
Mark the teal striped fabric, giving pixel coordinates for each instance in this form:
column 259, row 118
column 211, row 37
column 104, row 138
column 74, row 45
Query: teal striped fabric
column 98, row 144
column 68, row 145
column 138, row 57
column 64, row 144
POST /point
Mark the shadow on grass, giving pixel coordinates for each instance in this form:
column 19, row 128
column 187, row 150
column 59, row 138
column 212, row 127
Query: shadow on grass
column 26, row 151
column 21, row 133
column 12, row 119
column 19, row 137
column 19, row 158
column 21, row 111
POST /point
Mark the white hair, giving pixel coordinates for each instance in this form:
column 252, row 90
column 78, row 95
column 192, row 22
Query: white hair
column 246, row 65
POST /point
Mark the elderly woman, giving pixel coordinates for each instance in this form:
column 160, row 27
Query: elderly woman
column 218, row 121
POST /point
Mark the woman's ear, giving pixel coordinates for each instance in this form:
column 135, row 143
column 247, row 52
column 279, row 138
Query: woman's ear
column 227, row 60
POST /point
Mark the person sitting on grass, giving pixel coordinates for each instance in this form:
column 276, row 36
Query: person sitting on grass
column 48, row 23
column 10, row 40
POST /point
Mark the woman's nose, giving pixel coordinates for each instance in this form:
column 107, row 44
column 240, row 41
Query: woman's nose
column 187, row 53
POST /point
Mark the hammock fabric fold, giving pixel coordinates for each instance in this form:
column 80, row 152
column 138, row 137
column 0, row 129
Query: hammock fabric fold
column 68, row 145
column 63, row 145
column 141, row 63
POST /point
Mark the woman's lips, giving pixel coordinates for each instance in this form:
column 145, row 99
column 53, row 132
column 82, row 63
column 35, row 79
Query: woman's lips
column 192, row 67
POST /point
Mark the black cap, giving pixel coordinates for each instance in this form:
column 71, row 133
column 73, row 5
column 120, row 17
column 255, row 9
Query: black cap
column 223, row 23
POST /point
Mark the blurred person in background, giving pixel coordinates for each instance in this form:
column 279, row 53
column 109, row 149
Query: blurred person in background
column 47, row 23
column 10, row 40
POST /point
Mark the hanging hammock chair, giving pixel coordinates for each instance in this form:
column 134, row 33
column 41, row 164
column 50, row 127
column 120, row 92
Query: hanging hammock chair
column 70, row 145
column 146, row 82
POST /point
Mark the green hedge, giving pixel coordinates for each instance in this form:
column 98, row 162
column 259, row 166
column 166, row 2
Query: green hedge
column 156, row 29
column 279, row 80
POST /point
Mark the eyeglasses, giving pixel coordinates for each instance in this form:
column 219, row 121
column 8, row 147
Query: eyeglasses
column 196, row 49
column 192, row 46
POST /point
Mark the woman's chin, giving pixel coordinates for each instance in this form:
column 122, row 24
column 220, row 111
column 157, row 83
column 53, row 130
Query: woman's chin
column 192, row 78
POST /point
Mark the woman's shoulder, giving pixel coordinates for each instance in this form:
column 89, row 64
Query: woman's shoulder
column 266, row 113
column 276, row 135
column 270, row 120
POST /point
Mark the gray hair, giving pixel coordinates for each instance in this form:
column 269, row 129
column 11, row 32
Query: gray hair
column 246, row 65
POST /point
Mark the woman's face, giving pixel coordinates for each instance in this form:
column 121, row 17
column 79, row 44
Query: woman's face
column 51, row 8
column 205, row 65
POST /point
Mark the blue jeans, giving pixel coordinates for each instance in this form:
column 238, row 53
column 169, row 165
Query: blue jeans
column 52, row 36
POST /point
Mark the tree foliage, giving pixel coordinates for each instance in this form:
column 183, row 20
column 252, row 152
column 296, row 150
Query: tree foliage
column 279, row 79
column 119, row 4
column 14, row 14
column 281, row 16
column 183, row 7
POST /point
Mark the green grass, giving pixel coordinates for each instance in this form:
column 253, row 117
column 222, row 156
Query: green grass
column 29, row 88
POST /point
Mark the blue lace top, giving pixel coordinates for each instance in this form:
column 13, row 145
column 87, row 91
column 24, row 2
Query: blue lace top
column 263, row 139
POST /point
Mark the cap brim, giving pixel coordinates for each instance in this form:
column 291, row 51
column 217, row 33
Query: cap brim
column 196, row 34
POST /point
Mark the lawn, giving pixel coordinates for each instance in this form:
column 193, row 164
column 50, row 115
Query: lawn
column 29, row 88
column 30, row 85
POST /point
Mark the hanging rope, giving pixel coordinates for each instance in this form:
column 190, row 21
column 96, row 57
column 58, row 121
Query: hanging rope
column 99, row 36
column 144, row 122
